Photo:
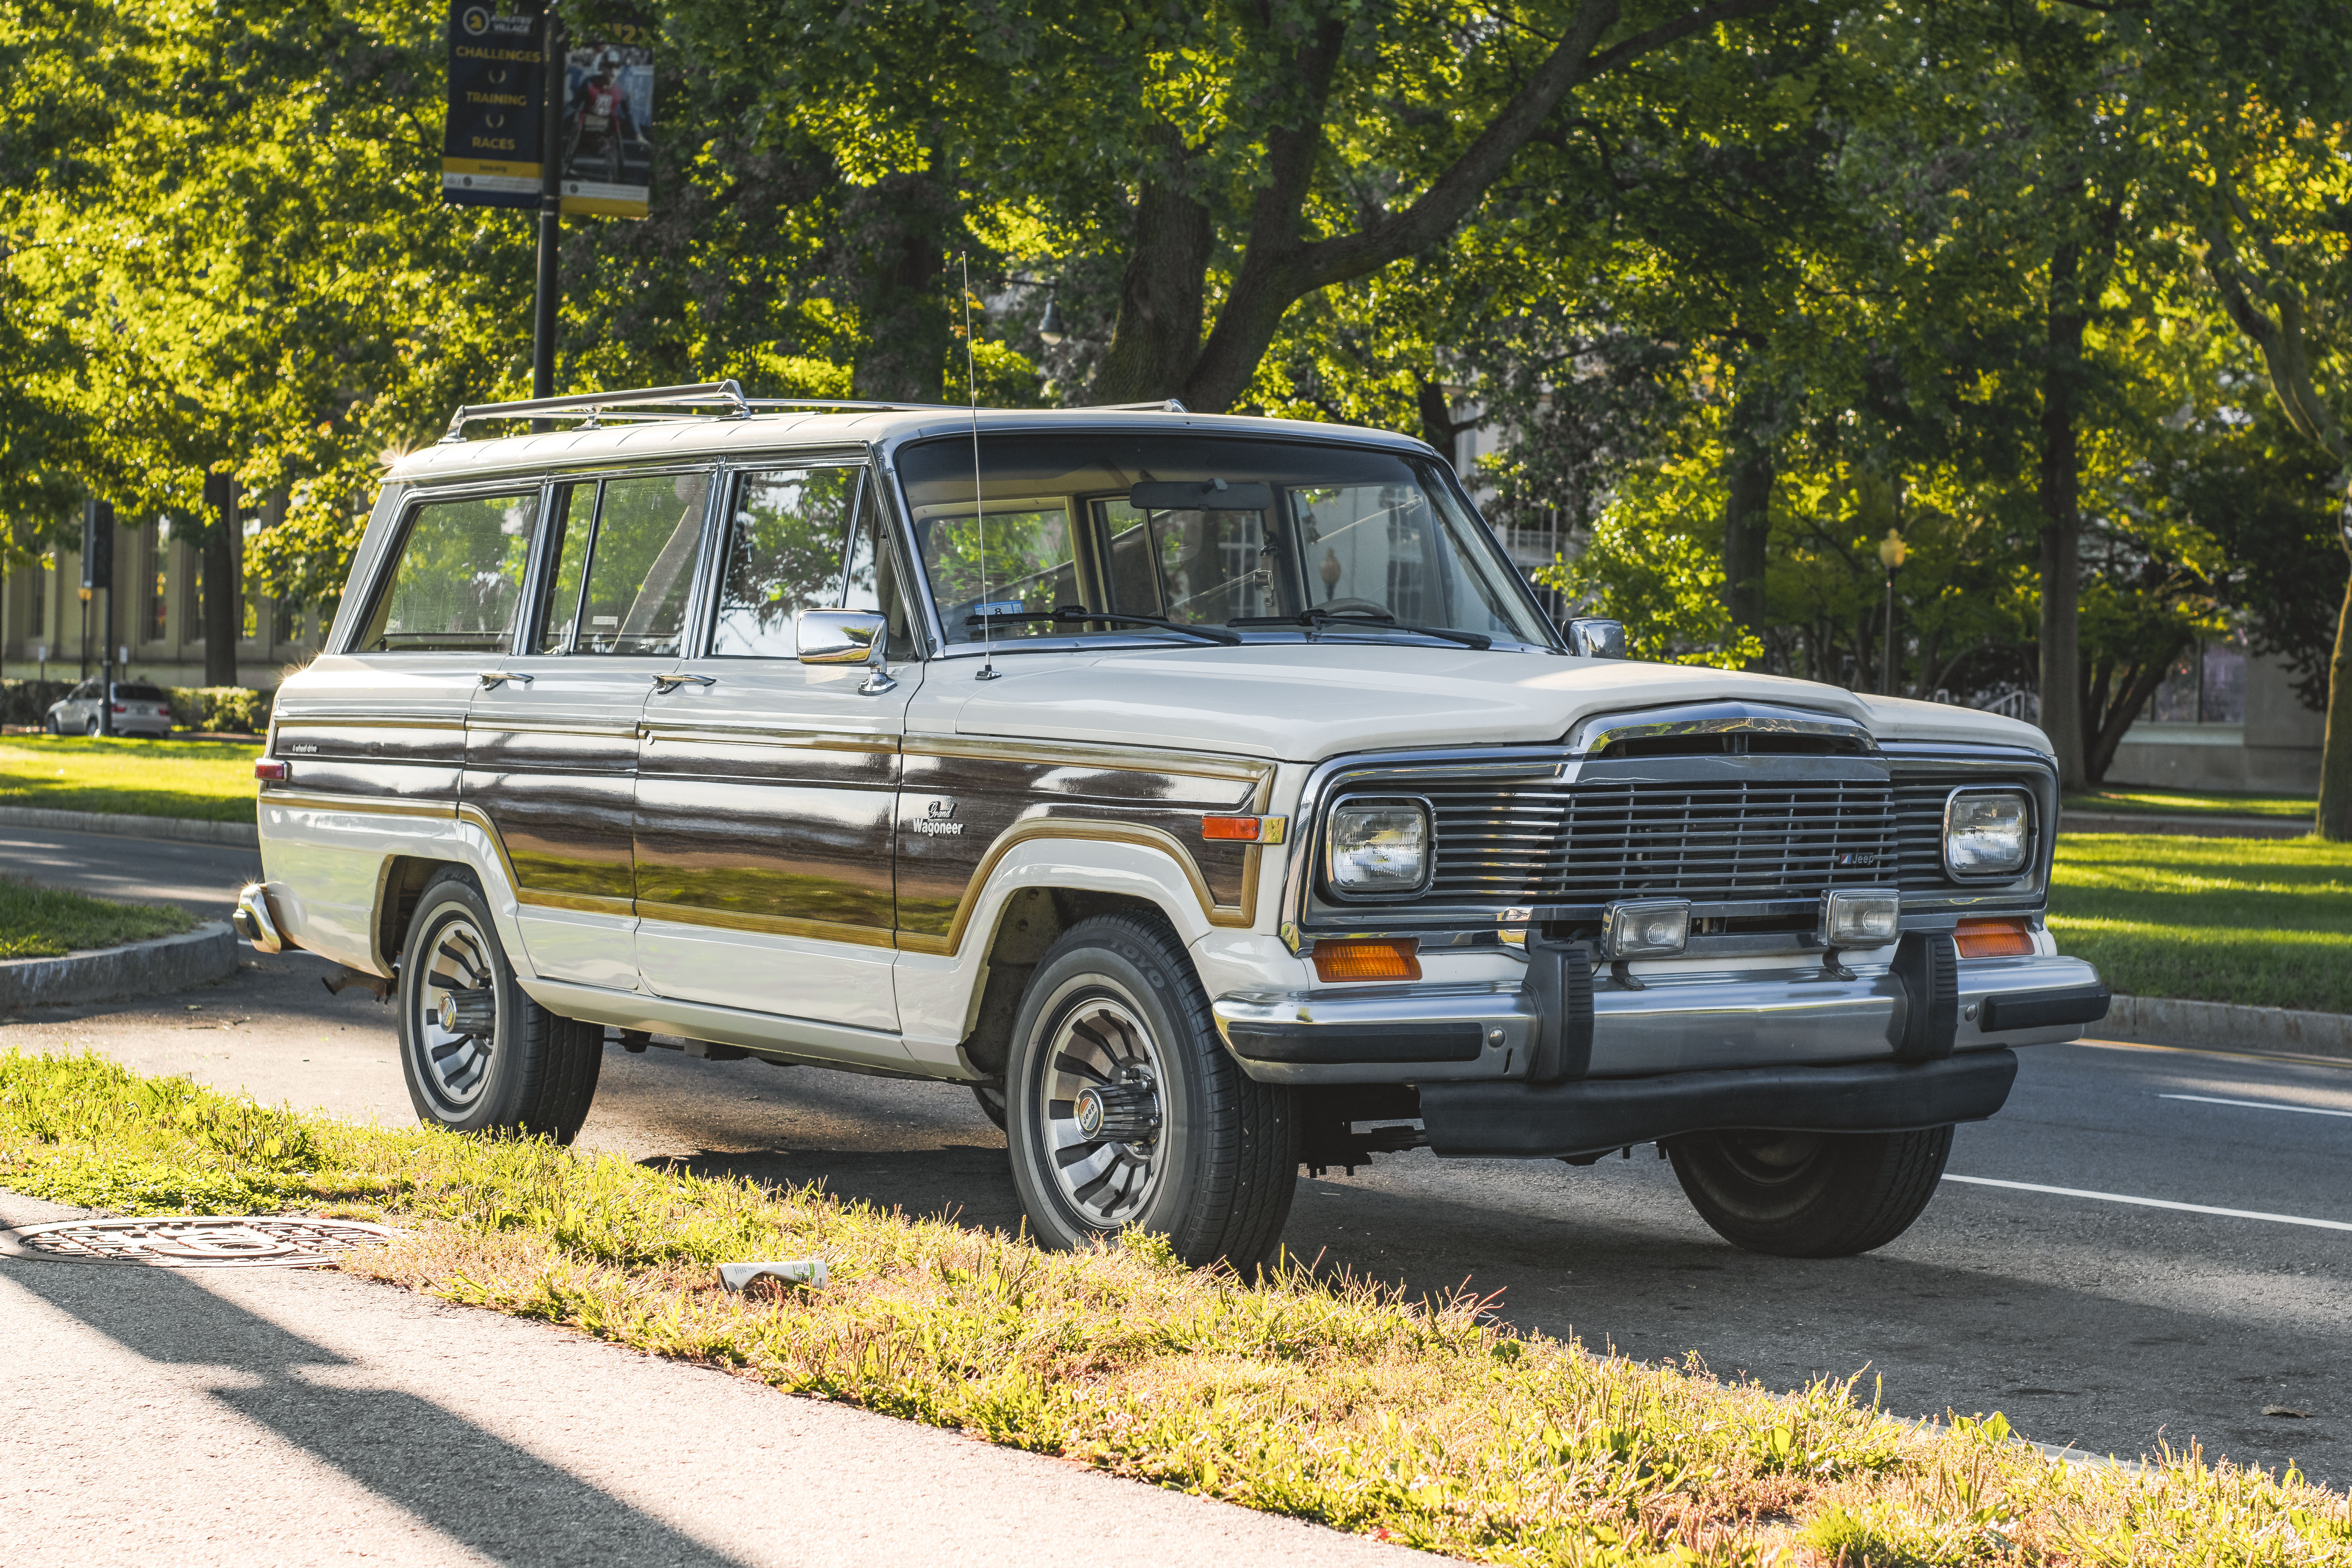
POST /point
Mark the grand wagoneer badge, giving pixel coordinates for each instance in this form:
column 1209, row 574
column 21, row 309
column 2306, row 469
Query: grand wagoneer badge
column 939, row 822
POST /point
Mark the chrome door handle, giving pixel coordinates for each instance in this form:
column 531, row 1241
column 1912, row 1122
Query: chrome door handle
column 492, row 677
column 668, row 682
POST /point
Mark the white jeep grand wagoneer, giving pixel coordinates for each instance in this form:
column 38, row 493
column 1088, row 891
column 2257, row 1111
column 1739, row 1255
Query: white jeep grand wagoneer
column 1207, row 793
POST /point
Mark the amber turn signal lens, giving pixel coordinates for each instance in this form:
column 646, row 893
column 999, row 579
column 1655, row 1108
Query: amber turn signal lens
column 1367, row 960
column 270, row 768
column 1994, row 939
column 1242, row 827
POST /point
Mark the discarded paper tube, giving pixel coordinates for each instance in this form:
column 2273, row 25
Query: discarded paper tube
column 791, row 1270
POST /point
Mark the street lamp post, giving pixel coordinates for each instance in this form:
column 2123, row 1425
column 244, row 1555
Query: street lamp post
column 1891, row 554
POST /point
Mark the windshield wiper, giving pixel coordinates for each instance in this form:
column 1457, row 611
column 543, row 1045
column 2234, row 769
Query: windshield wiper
column 1383, row 621
column 1072, row 615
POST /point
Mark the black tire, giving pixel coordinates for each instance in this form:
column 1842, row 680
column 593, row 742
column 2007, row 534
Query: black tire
column 54, row 727
column 536, row 1074
column 992, row 1103
column 1115, row 1004
column 91, row 728
column 1811, row 1194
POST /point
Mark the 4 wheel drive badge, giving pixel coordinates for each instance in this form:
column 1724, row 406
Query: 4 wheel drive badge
column 938, row 821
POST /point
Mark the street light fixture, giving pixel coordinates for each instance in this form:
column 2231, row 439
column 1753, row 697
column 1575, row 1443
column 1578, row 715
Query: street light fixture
column 1891, row 556
column 1050, row 328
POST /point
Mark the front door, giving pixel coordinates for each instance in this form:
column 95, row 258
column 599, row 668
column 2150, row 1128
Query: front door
column 765, row 785
column 551, row 740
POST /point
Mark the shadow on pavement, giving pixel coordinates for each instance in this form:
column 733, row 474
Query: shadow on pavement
column 468, row 1484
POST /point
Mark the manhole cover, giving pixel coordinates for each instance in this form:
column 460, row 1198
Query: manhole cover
column 208, row 1242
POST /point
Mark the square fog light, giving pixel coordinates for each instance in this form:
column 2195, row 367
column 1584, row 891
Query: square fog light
column 1860, row 916
column 1647, row 927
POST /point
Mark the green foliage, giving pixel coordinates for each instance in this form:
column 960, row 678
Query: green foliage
column 221, row 710
column 50, row 922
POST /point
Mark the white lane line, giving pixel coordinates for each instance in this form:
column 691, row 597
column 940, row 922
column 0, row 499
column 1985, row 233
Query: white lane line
column 2256, row 1104
column 2152, row 1203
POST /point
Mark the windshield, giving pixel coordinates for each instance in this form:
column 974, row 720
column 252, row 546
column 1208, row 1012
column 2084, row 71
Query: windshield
column 1261, row 536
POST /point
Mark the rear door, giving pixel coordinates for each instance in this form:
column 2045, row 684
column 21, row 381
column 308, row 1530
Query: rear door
column 765, row 786
column 552, row 739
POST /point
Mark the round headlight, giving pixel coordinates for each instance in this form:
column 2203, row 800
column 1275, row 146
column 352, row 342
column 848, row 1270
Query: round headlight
column 1988, row 833
column 1374, row 846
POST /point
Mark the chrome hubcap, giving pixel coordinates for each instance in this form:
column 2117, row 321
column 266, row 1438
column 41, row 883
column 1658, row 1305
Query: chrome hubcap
column 456, row 1023
column 1102, row 1110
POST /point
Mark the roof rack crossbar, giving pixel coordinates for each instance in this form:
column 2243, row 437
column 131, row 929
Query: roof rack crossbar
column 722, row 398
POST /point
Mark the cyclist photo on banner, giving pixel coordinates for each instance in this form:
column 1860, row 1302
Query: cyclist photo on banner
column 608, row 108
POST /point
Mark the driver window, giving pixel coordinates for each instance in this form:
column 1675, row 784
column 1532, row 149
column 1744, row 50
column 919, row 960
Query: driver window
column 784, row 541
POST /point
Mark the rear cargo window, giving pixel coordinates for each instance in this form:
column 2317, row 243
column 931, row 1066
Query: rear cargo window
column 126, row 693
column 456, row 578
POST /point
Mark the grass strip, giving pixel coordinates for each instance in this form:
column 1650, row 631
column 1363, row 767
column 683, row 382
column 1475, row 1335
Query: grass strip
column 206, row 780
column 2192, row 803
column 48, row 923
column 2263, row 921
column 1335, row 1400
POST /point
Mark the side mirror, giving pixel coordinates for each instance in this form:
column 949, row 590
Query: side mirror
column 1596, row 638
column 847, row 637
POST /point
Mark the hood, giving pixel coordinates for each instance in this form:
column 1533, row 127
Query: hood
column 1306, row 701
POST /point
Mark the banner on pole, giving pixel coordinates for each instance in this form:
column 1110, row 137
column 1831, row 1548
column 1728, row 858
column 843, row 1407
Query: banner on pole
column 608, row 114
column 490, row 155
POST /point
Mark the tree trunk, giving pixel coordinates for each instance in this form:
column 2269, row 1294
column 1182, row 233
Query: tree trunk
column 2334, row 819
column 1750, row 467
column 1156, row 336
column 2062, row 521
column 895, row 243
column 219, row 587
column 2101, row 752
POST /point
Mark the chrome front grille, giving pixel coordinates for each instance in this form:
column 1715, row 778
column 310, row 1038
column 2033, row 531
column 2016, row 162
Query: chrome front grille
column 1715, row 839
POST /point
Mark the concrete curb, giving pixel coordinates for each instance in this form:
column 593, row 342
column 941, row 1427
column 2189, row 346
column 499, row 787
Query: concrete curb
column 2223, row 1026
column 243, row 834
column 142, row 969
column 2177, row 825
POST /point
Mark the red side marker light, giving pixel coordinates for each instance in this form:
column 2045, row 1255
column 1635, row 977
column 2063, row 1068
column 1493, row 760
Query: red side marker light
column 1240, row 828
column 272, row 769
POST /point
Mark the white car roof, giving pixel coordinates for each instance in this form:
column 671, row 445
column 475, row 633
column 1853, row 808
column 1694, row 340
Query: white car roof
column 690, row 437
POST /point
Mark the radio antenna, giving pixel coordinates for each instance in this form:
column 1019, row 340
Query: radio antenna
column 979, row 507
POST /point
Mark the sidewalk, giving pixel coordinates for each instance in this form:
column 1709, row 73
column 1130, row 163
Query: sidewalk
column 269, row 1416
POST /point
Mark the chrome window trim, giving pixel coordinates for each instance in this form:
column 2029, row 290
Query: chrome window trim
column 2033, row 835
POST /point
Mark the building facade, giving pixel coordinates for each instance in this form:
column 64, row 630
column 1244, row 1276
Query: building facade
column 47, row 626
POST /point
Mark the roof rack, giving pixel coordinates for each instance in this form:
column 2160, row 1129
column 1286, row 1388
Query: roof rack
column 723, row 399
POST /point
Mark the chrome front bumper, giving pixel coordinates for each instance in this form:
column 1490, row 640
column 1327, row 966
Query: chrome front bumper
column 1678, row 1023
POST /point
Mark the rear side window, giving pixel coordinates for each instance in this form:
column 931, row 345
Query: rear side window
column 623, row 564
column 456, row 579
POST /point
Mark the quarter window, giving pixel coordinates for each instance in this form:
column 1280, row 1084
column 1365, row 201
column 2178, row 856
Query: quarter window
column 456, row 579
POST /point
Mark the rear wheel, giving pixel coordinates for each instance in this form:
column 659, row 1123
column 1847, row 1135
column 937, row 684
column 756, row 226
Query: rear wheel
column 1811, row 1194
column 480, row 1055
column 1123, row 1108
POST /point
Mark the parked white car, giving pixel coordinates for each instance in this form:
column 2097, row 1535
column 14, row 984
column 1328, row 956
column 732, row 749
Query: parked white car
column 140, row 709
column 1207, row 793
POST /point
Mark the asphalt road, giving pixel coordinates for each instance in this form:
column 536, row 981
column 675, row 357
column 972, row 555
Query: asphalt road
column 2105, row 1324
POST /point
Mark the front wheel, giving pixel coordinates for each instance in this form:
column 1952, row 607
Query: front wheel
column 91, row 728
column 1123, row 1108
column 479, row 1055
column 1811, row 1194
